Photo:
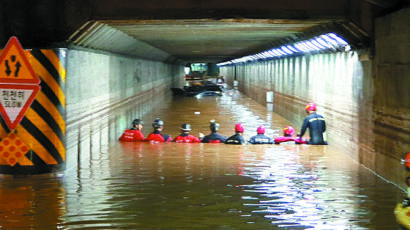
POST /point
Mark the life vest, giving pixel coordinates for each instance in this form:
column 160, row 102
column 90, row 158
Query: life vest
column 132, row 135
column 158, row 137
column 186, row 138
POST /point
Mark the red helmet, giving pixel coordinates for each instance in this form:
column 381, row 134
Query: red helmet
column 239, row 128
column 260, row 130
column 289, row 131
column 310, row 107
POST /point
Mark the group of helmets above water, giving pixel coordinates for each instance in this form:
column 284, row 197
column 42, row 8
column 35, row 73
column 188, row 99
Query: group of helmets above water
column 289, row 133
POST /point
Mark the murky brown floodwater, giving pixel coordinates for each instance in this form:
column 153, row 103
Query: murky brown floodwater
column 204, row 186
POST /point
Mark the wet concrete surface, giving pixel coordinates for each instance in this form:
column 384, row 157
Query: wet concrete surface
column 204, row 186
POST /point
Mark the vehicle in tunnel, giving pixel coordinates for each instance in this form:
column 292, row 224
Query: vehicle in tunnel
column 208, row 93
column 202, row 88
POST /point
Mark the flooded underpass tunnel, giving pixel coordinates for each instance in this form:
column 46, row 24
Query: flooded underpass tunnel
column 74, row 75
column 144, row 185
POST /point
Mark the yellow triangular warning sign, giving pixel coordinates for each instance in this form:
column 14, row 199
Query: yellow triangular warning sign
column 14, row 65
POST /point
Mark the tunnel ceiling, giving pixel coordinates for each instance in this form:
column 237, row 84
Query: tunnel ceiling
column 182, row 31
column 184, row 41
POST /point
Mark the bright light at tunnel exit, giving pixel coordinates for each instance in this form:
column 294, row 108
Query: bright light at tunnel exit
column 326, row 42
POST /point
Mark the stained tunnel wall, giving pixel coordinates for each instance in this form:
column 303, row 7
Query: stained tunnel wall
column 365, row 100
column 105, row 92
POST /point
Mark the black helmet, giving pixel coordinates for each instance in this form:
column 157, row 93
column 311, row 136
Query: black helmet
column 157, row 123
column 186, row 127
column 214, row 126
column 137, row 122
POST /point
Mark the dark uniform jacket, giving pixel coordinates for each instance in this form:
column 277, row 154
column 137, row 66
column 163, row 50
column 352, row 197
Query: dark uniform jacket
column 260, row 139
column 317, row 126
column 214, row 138
column 235, row 140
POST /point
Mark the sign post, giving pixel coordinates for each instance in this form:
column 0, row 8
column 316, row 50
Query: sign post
column 18, row 83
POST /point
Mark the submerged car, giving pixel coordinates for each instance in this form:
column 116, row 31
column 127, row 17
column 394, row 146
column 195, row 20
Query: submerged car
column 206, row 89
column 208, row 93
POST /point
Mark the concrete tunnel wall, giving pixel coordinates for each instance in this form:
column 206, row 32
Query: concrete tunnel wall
column 332, row 81
column 366, row 102
column 104, row 93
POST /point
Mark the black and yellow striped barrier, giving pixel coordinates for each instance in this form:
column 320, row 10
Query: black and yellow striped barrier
column 37, row 145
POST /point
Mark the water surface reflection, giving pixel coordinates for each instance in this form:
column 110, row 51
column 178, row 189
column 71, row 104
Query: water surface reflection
column 204, row 186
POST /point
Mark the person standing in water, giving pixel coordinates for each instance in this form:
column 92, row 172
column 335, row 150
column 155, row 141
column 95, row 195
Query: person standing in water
column 214, row 137
column 237, row 138
column 260, row 138
column 134, row 133
column 156, row 135
column 316, row 125
column 185, row 137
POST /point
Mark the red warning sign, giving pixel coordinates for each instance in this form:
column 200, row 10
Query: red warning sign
column 14, row 65
column 18, row 83
column 15, row 100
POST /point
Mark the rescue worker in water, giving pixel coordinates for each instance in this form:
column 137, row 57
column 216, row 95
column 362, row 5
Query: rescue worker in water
column 237, row 138
column 185, row 137
column 134, row 133
column 316, row 124
column 156, row 135
column 260, row 138
column 214, row 137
